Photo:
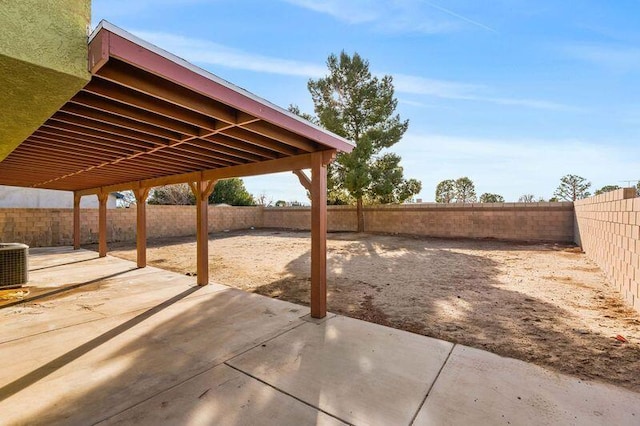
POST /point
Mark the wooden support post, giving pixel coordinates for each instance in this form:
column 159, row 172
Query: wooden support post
column 102, row 223
column 76, row 221
column 318, row 236
column 201, row 190
column 141, row 225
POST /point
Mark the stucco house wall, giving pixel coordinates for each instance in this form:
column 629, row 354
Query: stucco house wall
column 43, row 62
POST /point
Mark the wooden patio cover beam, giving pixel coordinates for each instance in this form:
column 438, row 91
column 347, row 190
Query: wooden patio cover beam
column 284, row 164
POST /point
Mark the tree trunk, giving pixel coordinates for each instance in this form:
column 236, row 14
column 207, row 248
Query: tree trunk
column 360, row 214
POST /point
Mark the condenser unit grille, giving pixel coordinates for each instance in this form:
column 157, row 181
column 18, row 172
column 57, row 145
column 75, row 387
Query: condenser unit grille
column 13, row 264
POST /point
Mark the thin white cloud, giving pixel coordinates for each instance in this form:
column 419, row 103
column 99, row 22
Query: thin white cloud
column 433, row 87
column 353, row 11
column 614, row 57
column 524, row 102
column 393, row 15
column 205, row 52
column 459, row 16
column 418, row 104
column 464, row 91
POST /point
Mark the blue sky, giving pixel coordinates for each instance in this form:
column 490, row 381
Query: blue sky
column 511, row 93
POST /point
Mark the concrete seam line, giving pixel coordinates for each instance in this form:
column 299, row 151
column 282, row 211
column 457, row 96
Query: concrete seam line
column 413, row 419
column 72, row 325
column 206, row 370
column 288, row 394
column 302, row 322
column 200, row 373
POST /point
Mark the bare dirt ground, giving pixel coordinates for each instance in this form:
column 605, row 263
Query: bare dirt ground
column 543, row 303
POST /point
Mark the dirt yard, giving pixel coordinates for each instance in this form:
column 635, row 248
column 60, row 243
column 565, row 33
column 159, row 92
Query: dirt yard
column 541, row 303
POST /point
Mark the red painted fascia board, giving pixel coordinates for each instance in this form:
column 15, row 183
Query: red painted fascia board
column 98, row 51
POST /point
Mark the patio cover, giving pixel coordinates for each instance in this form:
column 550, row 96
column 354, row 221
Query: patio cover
column 148, row 118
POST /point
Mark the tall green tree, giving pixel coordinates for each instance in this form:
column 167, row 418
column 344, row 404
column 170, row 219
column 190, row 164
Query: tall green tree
column 465, row 190
column 232, row 192
column 572, row 188
column 606, row 188
column 179, row 194
column 228, row 191
column 491, row 198
column 446, row 191
column 352, row 103
column 461, row 190
column 387, row 182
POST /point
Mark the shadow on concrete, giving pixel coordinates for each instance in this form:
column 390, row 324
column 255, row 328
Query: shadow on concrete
column 52, row 366
column 44, row 293
column 172, row 347
column 62, row 264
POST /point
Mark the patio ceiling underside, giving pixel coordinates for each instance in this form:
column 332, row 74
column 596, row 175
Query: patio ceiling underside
column 132, row 122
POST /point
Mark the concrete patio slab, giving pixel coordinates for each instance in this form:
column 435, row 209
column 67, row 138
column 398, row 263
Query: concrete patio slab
column 103, row 366
column 46, row 257
column 360, row 372
column 123, row 290
column 481, row 388
column 222, row 396
column 147, row 346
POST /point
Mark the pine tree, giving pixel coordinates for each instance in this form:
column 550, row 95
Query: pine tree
column 572, row 188
column 352, row 103
column 446, row 191
column 488, row 197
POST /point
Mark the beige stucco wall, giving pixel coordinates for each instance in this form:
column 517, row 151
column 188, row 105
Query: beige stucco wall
column 43, row 62
column 607, row 227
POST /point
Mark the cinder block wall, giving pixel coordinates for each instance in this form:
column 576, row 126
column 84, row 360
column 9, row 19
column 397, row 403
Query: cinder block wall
column 54, row 227
column 607, row 227
column 339, row 218
column 507, row 221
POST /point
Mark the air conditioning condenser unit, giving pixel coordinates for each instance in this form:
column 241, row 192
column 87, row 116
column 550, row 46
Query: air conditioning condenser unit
column 14, row 264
